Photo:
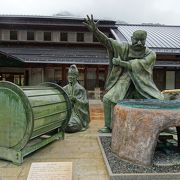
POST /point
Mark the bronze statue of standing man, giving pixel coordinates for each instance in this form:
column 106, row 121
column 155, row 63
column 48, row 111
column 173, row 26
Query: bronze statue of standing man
column 130, row 71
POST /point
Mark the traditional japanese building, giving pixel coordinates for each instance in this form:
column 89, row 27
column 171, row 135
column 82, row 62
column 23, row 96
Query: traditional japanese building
column 34, row 49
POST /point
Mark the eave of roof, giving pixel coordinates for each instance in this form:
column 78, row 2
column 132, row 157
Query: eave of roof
column 167, row 64
column 58, row 55
column 49, row 20
column 7, row 60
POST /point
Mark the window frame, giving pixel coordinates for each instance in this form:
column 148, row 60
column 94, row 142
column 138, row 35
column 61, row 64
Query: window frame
column 47, row 36
column 11, row 35
column 30, row 39
column 80, row 37
column 63, row 36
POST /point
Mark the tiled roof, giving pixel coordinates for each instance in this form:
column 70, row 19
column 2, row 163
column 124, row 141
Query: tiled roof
column 66, row 55
column 60, row 55
column 161, row 38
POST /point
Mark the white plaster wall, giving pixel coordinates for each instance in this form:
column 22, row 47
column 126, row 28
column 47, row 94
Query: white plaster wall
column 88, row 37
column 55, row 36
column 22, row 35
column 71, row 36
column 39, row 36
column 5, row 35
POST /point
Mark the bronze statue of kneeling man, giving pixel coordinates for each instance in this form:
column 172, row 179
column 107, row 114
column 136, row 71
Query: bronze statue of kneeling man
column 79, row 119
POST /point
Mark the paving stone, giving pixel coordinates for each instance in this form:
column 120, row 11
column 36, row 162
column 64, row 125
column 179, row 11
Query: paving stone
column 81, row 149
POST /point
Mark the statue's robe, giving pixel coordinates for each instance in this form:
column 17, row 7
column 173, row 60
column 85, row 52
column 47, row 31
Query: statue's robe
column 79, row 119
column 135, row 83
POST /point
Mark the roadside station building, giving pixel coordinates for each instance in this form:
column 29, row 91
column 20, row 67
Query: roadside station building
column 34, row 49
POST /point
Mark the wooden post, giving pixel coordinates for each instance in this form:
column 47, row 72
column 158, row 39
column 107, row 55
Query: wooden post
column 85, row 77
column 97, row 76
column 63, row 74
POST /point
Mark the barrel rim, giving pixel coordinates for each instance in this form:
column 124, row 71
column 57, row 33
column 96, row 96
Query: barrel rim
column 68, row 102
column 28, row 112
column 150, row 104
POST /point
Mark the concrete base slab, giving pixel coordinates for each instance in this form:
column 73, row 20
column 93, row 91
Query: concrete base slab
column 134, row 176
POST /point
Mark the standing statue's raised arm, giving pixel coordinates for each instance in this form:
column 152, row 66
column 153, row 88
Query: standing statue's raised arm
column 92, row 26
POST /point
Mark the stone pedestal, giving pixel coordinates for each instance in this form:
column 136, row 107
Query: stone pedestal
column 136, row 130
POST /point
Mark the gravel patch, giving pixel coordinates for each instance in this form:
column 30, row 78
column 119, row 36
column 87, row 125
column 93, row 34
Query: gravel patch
column 166, row 160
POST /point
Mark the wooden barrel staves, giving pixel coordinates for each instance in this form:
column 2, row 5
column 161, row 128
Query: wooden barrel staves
column 28, row 113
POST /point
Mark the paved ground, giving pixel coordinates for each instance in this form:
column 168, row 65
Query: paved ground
column 80, row 148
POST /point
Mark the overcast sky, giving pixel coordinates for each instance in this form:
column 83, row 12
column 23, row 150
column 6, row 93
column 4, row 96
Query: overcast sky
column 131, row 11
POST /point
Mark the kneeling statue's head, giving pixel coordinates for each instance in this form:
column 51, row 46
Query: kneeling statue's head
column 72, row 74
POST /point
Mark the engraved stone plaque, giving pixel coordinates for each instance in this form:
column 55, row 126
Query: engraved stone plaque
column 50, row 171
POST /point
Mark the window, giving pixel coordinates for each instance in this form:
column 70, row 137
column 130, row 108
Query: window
column 159, row 77
column 81, row 76
column 170, row 79
column 47, row 36
column 30, row 35
column 53, row 75
column 80, row 37
column 63, row 36
column 91, row 78
column 58, row 76
column 15, row 78
column 49, row 74
column 13, row 35
column 102, row 77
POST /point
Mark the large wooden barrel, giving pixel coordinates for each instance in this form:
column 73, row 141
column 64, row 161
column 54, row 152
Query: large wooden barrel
column 29, row 112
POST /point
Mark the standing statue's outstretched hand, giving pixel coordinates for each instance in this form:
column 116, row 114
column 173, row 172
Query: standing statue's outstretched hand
column 90, row 24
